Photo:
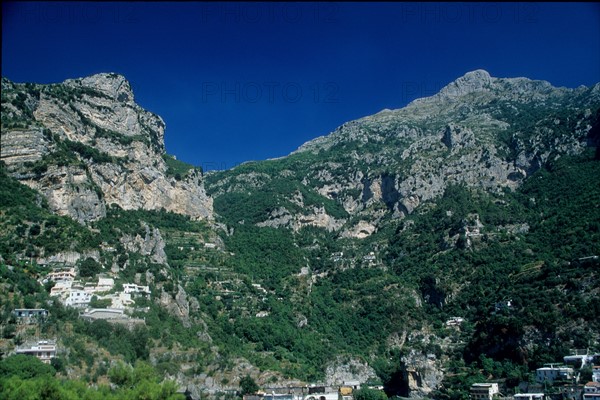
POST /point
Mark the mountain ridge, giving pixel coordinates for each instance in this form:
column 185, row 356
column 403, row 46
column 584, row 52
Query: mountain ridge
column 109, row 150
column 352, row 258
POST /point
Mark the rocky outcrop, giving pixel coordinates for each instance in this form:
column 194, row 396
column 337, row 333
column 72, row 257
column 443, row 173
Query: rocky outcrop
column 151, row 245
column 343, row 370
column 315, row 216
column 86, row 144
column 479, row 131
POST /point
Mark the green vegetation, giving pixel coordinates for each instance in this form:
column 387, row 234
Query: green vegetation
column 291, row 300
column 177, row 168
column 25, row 377
column 248, row 385
column 28, row 226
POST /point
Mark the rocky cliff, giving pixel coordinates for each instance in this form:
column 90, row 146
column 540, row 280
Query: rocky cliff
column 479, row 131
column 86, row 144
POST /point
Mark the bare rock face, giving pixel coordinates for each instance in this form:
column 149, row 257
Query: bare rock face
column 177, row 305
column 478, row 131
column 86, row 144
column 343, row 370
column 152, row 245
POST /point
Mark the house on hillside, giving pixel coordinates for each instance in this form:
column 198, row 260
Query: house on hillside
column 552, row 373
column 528, row 396
column 579, row 359
column 591, row 391
column 61, row 275
column 78, row 297
column 132, row 288
column 484, row 391
column 29, row 315
column 43, row 350
column 323, row 396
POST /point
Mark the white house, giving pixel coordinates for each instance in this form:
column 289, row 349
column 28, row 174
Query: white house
column 596, row 373
column 133, row 288
column 44, row 350
column 454, row 321
column 550, row 374
column 61, row 275
column 591, row 391
column 78, row 298
column 104, row 284
column 61, row 288
column 484, row 391
column 529, row 396
column 323, row 396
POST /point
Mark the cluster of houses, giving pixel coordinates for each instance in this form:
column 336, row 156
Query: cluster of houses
column 549, row 375
column 315, row 392
column 74, row 293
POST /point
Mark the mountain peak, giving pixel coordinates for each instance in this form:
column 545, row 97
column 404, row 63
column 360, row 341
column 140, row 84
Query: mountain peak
column 474, row 81
column 114, row 85
column 478, row 80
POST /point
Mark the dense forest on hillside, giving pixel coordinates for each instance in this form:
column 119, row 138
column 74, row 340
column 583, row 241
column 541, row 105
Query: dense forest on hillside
column 532, row 248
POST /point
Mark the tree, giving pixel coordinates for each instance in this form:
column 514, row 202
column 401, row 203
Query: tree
column 89, row 267
column 369, row 394
column 248, row 385
column 24, row 367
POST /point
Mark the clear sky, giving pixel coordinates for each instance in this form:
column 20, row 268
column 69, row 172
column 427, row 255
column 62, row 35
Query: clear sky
column 249, row 81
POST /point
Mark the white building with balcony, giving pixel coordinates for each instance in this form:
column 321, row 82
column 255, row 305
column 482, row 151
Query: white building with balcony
column 44, row 350
column 551, row 374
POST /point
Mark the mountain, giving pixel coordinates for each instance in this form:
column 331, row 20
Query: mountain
column 452, row 241
column 478, row 131
column 86, row 144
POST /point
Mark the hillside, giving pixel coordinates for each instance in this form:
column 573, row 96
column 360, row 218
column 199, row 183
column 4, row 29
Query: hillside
column 343, row 261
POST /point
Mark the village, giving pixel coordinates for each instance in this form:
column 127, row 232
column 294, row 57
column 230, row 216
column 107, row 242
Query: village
column 103, row 299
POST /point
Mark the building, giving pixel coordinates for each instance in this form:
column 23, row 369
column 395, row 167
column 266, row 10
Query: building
column 551, row 374
column 323, row 396
column 484, row 391
column 591, row 391
column 346, row 393
column 529, row 396
column 352, row 384
column 104, row 313
column 103, row 285
column 44, row 350
column 276, row 396
column 78, row 298
column 454, row 321
column 580, row 358
column 61, row 275
column 131, row 288
column 28, row 315
column 61, row 288
column 596, row 373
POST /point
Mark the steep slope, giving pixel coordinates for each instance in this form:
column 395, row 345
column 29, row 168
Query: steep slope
column 352, row 258
column 86, row 144
column 479, row 131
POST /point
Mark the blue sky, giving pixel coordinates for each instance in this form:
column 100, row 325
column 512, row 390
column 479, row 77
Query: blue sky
column 249, row 81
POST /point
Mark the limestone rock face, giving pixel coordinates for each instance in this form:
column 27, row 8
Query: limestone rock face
column 86, row 144
column 478, row 131
column 340, row 371
column 152, row 245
